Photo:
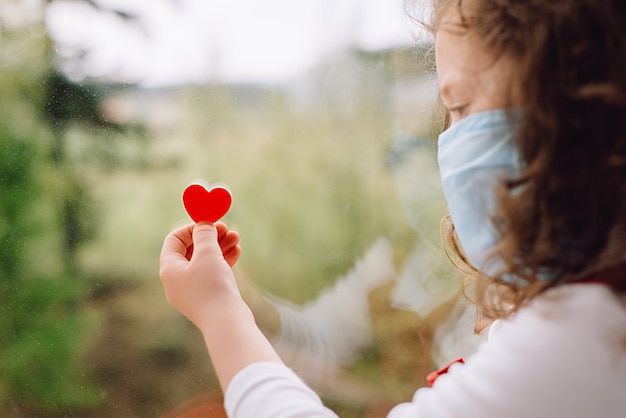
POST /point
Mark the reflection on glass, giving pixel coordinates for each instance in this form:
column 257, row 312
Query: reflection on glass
column 111, row 108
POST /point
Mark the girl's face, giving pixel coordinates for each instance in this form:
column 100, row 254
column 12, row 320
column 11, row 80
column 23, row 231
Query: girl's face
column 470, row 79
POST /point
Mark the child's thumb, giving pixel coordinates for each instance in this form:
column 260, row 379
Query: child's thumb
column 204, row 238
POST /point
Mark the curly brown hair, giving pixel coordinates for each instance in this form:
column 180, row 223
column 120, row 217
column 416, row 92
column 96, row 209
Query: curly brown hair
column 564, row 216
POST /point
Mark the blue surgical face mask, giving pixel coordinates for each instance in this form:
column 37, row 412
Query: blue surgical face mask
column 476, row 155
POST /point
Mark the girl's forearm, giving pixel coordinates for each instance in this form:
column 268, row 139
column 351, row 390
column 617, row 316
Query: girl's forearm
column 234, row 341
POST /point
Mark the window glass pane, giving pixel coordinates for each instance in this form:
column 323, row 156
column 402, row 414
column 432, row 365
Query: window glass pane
column 317, row 115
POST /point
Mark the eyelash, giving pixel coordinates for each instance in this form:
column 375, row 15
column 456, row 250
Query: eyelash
column 460, row 109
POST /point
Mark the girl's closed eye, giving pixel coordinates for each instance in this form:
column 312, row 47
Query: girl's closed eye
column 458, row 112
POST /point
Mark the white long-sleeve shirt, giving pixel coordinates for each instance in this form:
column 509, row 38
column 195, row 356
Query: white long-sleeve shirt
column 564, row 355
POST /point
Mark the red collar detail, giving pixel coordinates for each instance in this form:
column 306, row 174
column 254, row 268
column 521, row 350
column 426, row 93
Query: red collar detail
column 614, row 277
column 435, row 375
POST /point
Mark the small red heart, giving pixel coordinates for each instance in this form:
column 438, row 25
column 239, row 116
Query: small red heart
column 203, row 204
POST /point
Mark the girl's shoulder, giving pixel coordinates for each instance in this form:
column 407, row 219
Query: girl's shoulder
column 563, row 354
column 577, row 304
column 576, row 319
column 592, row 300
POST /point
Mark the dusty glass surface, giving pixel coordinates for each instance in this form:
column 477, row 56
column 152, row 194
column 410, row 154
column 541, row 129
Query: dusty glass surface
column 317, row 114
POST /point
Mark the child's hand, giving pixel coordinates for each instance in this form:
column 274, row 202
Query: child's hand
column 196, row 272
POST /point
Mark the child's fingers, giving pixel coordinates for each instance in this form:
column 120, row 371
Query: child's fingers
column 189, row 252
column 222, row 230
column 230, row 248
column 232, row 255
column 175, row 246
column 177, row 241
column 229, row 240
column 204, row 239
column 181, row 243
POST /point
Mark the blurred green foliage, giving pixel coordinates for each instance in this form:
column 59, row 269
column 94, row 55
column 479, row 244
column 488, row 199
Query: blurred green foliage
column 39, row 319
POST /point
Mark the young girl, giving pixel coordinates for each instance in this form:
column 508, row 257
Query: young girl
column 533, row 169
